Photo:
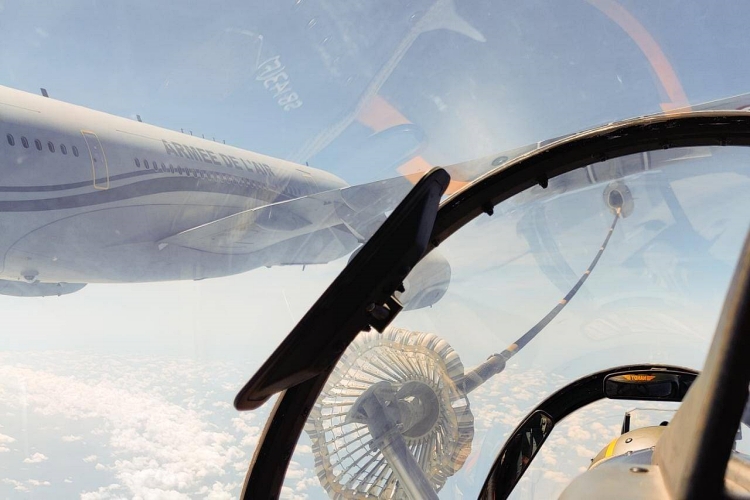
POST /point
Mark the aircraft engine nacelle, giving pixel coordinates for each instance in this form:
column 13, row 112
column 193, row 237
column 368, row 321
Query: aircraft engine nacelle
column 427, row 282
column 617, row 195
column 37, row 289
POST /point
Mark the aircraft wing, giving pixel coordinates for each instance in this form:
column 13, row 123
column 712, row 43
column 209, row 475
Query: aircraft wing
column 359, row 208
column 738, row 102
column 468, row 171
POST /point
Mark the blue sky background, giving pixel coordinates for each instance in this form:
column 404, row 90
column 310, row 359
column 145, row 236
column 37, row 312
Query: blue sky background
column 141, row 377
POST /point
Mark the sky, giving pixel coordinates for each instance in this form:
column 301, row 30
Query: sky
column 125, row 391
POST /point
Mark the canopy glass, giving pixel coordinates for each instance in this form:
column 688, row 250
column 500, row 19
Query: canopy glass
column 123, row 388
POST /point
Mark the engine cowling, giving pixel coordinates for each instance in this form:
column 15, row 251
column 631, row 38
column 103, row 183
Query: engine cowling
column 427, row 282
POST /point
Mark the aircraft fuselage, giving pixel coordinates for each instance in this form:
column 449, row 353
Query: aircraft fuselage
column 87, row 197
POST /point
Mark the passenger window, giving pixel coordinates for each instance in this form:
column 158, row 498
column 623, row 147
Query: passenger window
column 179, row 170
column 163, row 168
column 38, row 144
column 75, row 151
column 51, row 147
column 137, row 163
column 25, row 142
column 156, row 167
column 145, row 164
column 63, row 149
column 171, row 168
column 11, row 141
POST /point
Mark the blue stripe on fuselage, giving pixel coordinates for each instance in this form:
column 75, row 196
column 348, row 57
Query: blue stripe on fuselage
column 134, row 190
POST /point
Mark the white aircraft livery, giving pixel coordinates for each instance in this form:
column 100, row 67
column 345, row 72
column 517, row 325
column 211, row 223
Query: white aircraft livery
column 87, row 197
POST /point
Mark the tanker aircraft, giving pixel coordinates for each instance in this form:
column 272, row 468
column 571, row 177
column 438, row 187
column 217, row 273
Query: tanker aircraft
column 88, row 197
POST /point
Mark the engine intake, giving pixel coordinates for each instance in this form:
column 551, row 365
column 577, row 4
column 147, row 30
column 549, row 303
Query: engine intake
column 617, row 195
column 427, row 282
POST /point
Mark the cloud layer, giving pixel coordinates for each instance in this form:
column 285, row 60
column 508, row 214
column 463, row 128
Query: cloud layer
column 150, row 427
column 164, row 437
